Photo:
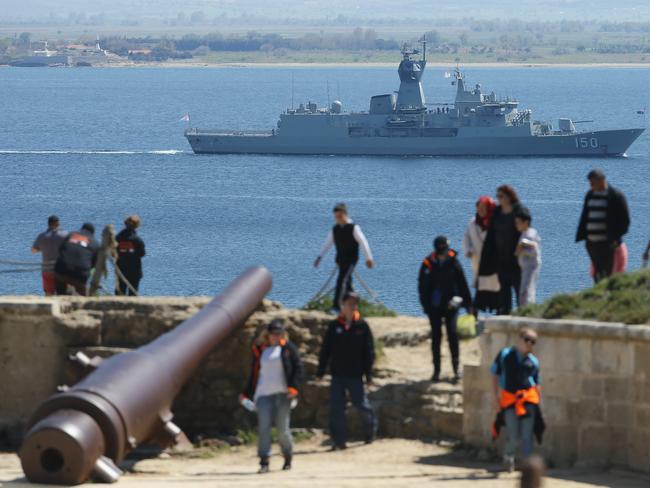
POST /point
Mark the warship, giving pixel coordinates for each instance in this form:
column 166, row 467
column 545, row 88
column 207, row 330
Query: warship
column 403, row 124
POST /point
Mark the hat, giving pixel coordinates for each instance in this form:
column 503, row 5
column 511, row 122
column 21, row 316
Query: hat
column 340, row 207
column 441, row 244
column 275, row 326
column 352, row 295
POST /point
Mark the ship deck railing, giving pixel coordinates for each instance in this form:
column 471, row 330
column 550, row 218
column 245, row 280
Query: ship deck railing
column 230, row 132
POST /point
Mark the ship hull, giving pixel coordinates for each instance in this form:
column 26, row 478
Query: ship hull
column 595, row 143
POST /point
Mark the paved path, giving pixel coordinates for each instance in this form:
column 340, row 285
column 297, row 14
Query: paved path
column 387, row 463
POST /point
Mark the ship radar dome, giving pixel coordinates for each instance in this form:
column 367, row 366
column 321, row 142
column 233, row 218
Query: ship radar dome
column 337, row 107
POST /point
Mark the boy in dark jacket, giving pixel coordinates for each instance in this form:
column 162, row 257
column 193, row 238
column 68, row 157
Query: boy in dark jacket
column 348, row 350
column 443, row 290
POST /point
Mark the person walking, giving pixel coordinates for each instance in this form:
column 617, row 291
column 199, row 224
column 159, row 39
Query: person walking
column 475, row 233
column 443, row 290
column 48, row 244
column 130, row 251
column 498, row 256
column 273, row 384
column 77, row 257
column 517, row 396
column 348, row 350
column 605, row 219
column 529, row 256
column 347, row 237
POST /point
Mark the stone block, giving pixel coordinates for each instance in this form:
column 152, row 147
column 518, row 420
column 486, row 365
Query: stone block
column 593, row 445
column 555, row 410
column 585, row 412
column 620, row 415
column 642, row 360
column 618, row 389
column 592, row 387
column 560, row 384
column 642, row 418
column 613, row 357
column 560, row 445
column 639, row 449
column 619, row 448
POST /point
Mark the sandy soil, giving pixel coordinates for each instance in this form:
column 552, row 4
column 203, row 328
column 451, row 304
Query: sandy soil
column 387, row 463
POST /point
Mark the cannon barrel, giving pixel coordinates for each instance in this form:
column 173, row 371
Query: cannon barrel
column 87, row 430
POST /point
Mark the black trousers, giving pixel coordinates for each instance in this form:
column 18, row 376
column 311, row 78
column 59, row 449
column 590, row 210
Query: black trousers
column 124, row 290
column 510, row 280
column 343, row 282
column 602, row 256
column 450, row 317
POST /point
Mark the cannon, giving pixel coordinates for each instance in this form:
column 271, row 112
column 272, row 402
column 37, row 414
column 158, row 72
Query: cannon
column 86, row 431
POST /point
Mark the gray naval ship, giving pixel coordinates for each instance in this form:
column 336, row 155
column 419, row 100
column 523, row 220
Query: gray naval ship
column 476, row 124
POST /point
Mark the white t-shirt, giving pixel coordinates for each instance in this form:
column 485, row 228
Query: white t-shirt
column 272, row 379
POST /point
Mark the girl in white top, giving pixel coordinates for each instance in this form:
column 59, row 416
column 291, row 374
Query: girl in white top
column 529, row 256
column 475, row 233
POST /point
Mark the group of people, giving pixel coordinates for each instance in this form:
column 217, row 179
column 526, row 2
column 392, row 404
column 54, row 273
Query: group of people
column 68, row 258
column 505, row 253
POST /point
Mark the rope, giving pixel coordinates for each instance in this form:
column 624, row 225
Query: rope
column 324, row 289
column 369, row 290
column 122, row 278
column 24, row 263
column 23, row 270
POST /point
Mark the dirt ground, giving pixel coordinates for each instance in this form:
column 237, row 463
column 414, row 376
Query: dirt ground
column 387, row 463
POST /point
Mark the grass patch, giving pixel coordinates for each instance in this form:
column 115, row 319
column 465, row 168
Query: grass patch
column 622, row 298
column 367, row 308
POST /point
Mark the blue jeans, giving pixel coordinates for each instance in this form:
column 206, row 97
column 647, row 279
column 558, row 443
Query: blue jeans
column 340, row 385
column 270, row 409
column 520, row 429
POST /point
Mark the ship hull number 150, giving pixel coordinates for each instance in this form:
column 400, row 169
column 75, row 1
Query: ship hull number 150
column 586, row 142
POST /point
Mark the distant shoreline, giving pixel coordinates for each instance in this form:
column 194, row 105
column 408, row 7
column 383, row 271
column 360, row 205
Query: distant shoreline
column 437, row 65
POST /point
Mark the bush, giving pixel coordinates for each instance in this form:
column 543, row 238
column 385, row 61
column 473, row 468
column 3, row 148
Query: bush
column 367, row 308
column 622, row 298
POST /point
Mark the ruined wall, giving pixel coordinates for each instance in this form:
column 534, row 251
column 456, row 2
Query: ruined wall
column 595, row 386
column 38, row 334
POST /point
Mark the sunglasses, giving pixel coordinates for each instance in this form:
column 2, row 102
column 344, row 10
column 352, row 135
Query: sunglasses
column 529, row 340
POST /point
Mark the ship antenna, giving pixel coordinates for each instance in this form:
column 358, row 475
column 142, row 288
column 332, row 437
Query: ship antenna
column 292, row 90
column 424, row 47
column 328, row 93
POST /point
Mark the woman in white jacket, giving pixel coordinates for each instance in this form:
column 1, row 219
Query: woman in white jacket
column 475, row 233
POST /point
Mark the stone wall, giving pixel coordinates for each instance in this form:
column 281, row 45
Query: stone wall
column 595, row 388
column 38, row 334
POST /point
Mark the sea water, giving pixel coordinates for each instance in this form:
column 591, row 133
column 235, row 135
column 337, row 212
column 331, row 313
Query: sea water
column 99, row 144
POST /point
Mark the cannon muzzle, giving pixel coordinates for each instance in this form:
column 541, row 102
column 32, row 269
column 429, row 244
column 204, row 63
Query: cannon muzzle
column 87, row 430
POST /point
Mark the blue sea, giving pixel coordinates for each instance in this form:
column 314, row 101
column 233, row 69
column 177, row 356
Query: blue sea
column 98, row 144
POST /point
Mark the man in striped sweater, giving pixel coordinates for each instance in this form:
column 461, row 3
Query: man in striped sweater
column 604, row 221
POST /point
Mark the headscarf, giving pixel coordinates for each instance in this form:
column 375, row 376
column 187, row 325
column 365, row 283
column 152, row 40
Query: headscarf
column 490, row 205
